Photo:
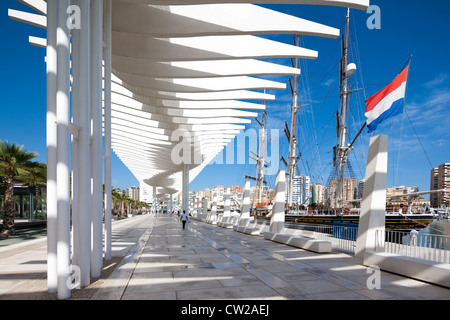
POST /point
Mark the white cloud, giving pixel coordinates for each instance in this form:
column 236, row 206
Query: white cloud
column 436, row 81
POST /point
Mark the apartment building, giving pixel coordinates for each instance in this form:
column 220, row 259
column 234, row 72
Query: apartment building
column 133, row 193
column 301, row 190
column 319, row 194
column 440, row 179
column 394, row 194
column 349, row 189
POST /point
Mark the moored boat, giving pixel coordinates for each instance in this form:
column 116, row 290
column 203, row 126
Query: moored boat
column 393, row 220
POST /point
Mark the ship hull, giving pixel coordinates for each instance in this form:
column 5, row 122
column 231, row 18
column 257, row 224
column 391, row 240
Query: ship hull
column 393, row 221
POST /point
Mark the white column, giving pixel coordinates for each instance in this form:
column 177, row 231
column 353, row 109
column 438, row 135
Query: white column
column 373, row 204
column 277, row 218
column 226, row 210
column 185, row 189
column 107, row 120
column 213, row 215
column 154, row 201
column 96, row 18
column 52, row 229
column 205, row 206
column 245, row 209
column 63, row 150
column 75, row 103
column 84, row 136
column 169, row 207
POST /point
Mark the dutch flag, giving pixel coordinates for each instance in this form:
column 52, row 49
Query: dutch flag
column 386, row 103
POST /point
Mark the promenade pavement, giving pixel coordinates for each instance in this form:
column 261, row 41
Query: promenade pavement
column 155, row 259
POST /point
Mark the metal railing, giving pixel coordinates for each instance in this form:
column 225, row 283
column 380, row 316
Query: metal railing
column 430, row 247
column 342, row 237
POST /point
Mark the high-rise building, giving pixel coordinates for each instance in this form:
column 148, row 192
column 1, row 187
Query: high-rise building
column 349, row 187
column 132, row 192
column 145, row 193
column 319, row 194
column 434, row 186
column 440, row 179
column 361, row 188
column 300, row 190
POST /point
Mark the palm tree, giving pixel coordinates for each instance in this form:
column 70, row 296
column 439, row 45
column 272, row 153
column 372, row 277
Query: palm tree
column 121, row 200
column 14, row 160
column 115, row 200
column 35, row 176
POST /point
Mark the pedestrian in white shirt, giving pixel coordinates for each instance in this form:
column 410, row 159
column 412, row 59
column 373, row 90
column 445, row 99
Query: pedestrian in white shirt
column 184, row 218
column 413, row 237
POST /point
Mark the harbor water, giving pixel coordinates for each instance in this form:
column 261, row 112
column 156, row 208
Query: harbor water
column 438, row 229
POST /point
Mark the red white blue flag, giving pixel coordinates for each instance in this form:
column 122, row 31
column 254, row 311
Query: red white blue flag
column 386, row 103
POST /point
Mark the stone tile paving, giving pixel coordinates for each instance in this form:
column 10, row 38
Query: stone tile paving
column 208, row 262
column 154, row 259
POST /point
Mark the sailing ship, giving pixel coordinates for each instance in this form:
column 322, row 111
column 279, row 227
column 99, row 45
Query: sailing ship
column 260, row 208
column 339, row 213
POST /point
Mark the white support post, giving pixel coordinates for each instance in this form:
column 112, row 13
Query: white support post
column 185, row 188
column 52, row 229
column 373, row 204
column 96, row 21
column 227, row 210
column 205, row 206
column 154, row 201
column 277, row 218
column 84, row 190
column 63, row 150
column 169, row 207
column 214, row 207
column 245, row 209
column 107, row 121
column 74, row 130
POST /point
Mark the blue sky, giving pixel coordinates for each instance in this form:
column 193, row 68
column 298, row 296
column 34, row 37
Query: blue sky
column 418, row 139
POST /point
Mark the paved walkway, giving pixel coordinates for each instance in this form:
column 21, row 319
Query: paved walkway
column 23, row 266
column 157, row 260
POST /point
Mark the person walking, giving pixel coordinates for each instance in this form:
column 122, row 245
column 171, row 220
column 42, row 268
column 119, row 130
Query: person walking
column 413, row 237
column 184, row 218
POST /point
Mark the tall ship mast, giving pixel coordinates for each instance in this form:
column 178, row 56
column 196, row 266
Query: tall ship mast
column 341, row 152
column 260, row 168
column 291, row 163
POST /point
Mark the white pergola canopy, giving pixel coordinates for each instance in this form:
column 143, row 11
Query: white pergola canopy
column 190, row 67
column 168, row 58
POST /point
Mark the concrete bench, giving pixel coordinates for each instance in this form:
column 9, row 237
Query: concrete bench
column 429, row 271
column 211, row 220
column 227, row 223
column 310, row 244
column 247, row 230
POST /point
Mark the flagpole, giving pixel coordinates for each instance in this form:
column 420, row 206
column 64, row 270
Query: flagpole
column 407, row 62
column 360, row 131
